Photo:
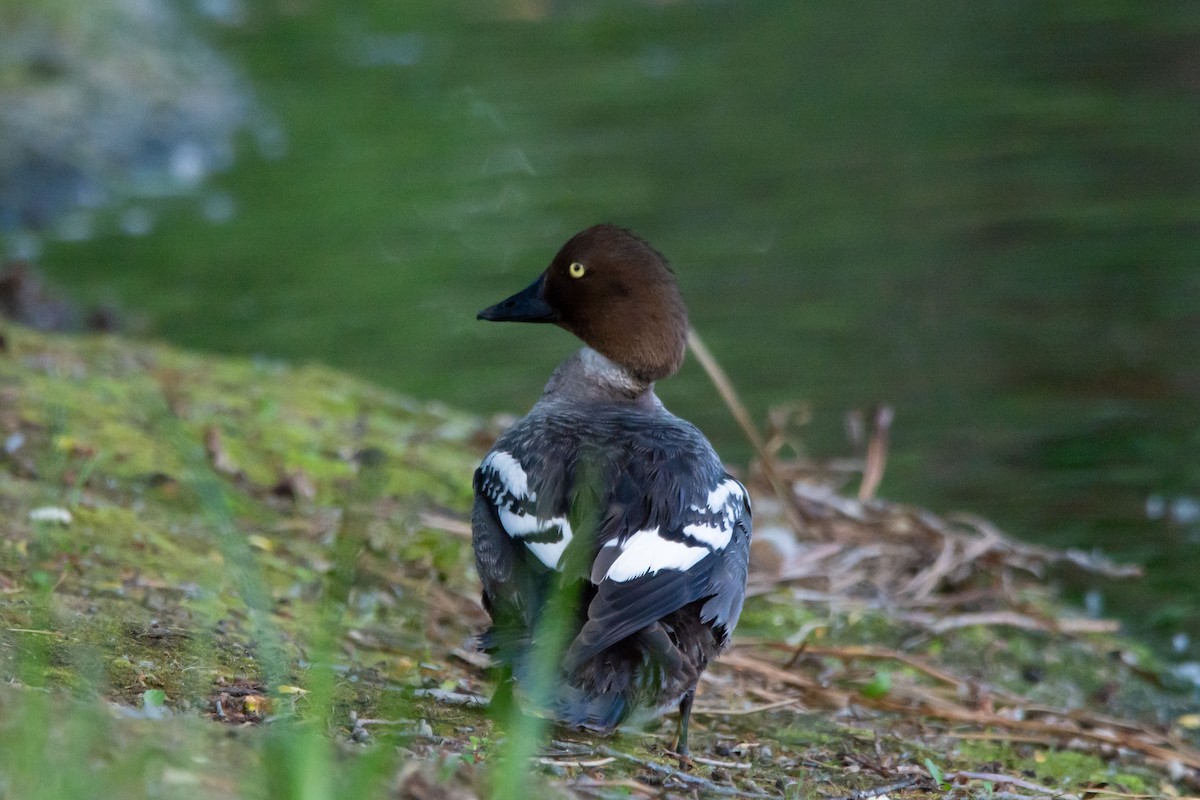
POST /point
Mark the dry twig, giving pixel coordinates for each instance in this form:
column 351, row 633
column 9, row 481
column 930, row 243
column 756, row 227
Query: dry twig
column 738, row 409
column 996, row 777
column 694, row 781
column 878, row 791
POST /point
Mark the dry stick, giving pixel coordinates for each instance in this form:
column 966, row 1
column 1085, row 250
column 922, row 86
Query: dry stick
column 597, row 762
column 876, row 453
column 741, row 712
column 585, row 784
column 1103, row 720
column 871, row 653
column 683, row 777
column 876, row 791
column 445, row 523
column 1012, row 619
column 997, row 777
column 1088, row 562
column 712, row 762
column 725, row 388
column 864, row 652
column 453, row 698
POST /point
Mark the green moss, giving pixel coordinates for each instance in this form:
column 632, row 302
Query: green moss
column 812, row 730
column 123, row 437
column 1055, row 768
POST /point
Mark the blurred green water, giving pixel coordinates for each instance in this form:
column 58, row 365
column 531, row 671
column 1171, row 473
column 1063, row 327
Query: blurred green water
column 985, row 214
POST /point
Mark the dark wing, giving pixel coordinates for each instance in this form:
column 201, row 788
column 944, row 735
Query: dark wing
column 728, row 581
column 502, row 484
column 514, row 579
column 695, row 549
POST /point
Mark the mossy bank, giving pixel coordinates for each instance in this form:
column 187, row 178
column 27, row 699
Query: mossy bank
column 226, row 577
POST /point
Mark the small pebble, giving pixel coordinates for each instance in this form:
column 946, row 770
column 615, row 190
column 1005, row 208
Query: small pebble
column 14, row 443
column 51, row 514
column 765, row 755
column 751, row 786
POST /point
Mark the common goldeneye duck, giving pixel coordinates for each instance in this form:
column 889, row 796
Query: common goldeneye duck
column 602, row 496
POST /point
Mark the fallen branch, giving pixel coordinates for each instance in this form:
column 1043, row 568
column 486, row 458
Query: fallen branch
column 453, row 698
column 996, row 777
column 1011, row 619
column 712, row 762
column 683, row 777
column 445, row 523
column 877, row 791
column 586, row 783
column 596, row 762
column 742, row 712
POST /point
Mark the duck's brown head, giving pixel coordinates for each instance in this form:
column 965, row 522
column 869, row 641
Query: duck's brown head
column 616, row 293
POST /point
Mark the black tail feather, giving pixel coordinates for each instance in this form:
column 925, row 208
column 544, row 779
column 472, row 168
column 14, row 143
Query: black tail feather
column 602, row 712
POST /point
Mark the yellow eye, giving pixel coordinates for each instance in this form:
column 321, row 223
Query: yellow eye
column 576, row 269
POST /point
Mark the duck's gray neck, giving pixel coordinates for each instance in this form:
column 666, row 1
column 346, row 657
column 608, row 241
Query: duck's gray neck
column 588, row 376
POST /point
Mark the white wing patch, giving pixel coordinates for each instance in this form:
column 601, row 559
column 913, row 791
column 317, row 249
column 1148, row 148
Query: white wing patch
column 509, row 492
column 550, row 553
column 645, row 553
column 706, row 528
column 718, row 498
column 709, row 530
column 715, row 536
column 724, row 501
column 512, row 474
column 518, row 524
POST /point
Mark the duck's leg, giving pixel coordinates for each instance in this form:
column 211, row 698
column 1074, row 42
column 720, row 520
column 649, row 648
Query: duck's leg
column 685, row 716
